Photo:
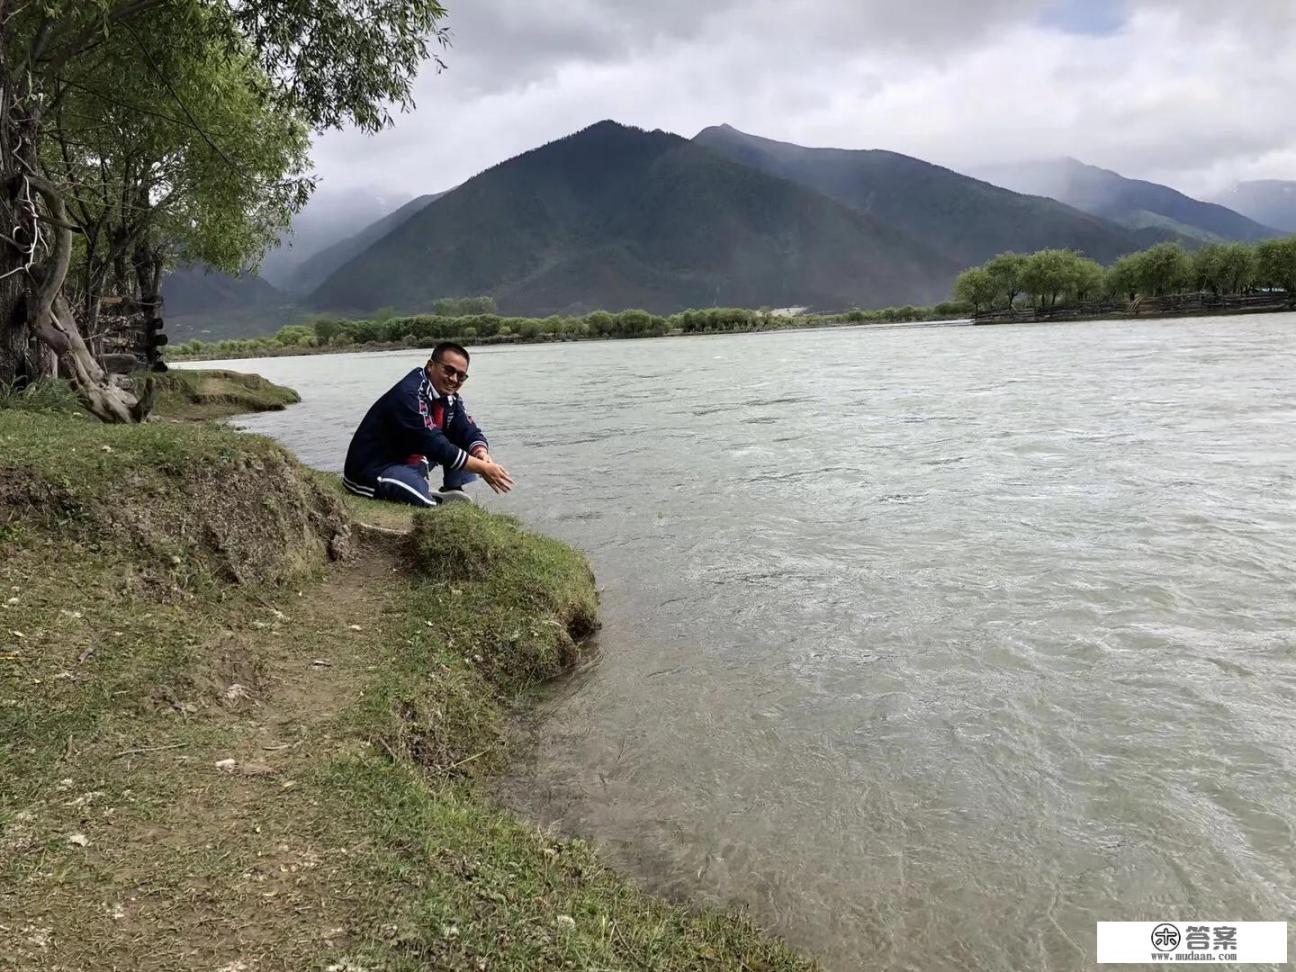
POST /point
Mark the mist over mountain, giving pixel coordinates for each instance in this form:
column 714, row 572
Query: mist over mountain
column 316, row 269
column 331, row 215
column 616, row 217
column 966, row 218
column 199, row 302
column 1269, row 201
column 1133, row 203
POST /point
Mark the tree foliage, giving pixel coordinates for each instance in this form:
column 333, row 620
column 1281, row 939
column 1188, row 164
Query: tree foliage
column 1006, row 271
column 1276, row 264
column 159, row 130
column 977, row 287
column 1054, row 277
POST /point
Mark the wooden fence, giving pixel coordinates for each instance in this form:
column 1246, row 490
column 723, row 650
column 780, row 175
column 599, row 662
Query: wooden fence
column 1167, row 306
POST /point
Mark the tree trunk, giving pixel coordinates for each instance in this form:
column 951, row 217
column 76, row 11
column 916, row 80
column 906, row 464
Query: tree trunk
column 34, row 260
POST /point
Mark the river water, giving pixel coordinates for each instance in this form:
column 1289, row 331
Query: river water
column 931, row 645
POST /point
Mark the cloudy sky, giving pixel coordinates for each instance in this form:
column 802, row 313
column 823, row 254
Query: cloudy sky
column 1192, row 93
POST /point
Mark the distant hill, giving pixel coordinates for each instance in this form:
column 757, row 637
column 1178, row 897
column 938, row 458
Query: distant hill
column 615, row 217
column 315, row 270
column 1131, row 202
column 330, row 216
column 207, row 304
column 964, row 217
column 1269, row 201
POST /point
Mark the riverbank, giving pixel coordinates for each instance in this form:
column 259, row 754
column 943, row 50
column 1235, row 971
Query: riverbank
column 423, row 331
column 1179, row 305
column 246, row 731
column 205, row 395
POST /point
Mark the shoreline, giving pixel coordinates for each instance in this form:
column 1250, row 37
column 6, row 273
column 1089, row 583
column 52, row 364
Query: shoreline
column 476, row 344
column 258, row 726
column 1151, row 314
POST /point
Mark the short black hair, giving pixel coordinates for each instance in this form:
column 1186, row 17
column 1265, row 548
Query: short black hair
column 444, row 346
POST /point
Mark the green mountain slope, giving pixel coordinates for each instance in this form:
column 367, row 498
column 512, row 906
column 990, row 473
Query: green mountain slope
column 316, row 269
column 199, row 302
column 1130, row 202
column 964, row 217
column 615, row 217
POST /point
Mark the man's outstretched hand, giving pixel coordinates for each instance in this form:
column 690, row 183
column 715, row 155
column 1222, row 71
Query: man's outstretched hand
column 496, row 476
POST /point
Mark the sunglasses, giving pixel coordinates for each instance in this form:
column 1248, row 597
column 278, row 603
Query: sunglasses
column 454, row 374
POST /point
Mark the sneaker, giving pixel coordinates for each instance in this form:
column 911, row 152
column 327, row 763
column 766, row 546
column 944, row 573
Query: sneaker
column 452, row 496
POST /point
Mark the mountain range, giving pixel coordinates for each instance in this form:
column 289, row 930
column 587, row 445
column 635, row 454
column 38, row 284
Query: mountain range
column 615, row 217
column 1271, row 201
column 1132, row 203
column 965, row 218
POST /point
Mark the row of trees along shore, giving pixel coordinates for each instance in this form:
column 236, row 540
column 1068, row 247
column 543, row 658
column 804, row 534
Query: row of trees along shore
column 138, row 134
column 1048, row 279
column 487, row 327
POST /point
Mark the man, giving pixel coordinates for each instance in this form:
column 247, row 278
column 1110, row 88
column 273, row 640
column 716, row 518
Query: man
column 421, row 422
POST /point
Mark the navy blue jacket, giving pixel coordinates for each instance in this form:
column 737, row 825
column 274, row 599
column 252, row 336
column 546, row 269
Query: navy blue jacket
column 410, row 420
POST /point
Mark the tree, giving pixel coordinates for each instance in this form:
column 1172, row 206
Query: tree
column 180, row 157
column 1238, row 267
column 1006, row 269
column 1276, row 264
column 1124, row 276
column 1087, row 279
column 1164, row 269
column 326, row 328
column 1048, row 274
column 977, row 287
column 323, row 63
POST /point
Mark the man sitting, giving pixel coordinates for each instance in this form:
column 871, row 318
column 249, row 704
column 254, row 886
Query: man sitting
column 421, row 422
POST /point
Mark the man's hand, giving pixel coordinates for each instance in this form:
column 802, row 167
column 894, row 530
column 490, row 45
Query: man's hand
column 495, row 475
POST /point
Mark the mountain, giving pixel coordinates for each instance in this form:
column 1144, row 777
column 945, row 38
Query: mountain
column 615, row 217
column 316, row 269
column 331, row 215
column 1269, row 201
column 964, row 217
column 203, row 303
column 1130, row 202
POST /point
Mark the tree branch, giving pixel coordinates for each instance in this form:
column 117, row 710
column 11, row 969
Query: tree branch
column 42, row 316
column 183, row 107
column 80, row 42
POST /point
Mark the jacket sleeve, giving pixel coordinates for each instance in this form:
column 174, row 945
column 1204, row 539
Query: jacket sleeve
column 465, row 430
column 409, row 415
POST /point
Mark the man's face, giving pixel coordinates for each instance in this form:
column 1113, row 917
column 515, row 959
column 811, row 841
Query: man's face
column 448, row 374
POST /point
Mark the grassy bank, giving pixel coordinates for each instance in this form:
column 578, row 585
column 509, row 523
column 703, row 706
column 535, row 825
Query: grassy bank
column 189, row 395
column 244, row 732
column 218, row 394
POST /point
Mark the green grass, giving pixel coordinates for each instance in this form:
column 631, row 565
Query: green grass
column 161, row 613
column 214, row 394
column 189, row 395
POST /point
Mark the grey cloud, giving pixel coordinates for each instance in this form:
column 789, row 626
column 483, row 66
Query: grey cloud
column 1179, row 93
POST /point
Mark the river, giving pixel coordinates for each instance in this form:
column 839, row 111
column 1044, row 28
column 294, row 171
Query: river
column 932, row 645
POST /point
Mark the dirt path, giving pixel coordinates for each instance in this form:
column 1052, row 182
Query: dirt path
column 194, row 839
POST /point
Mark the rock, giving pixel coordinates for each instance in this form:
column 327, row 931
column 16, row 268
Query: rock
column 79, row 840
column 226, row 765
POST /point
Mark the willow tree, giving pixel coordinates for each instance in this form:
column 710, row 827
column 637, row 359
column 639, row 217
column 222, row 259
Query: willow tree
column 318, row 63
column 189, row 157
